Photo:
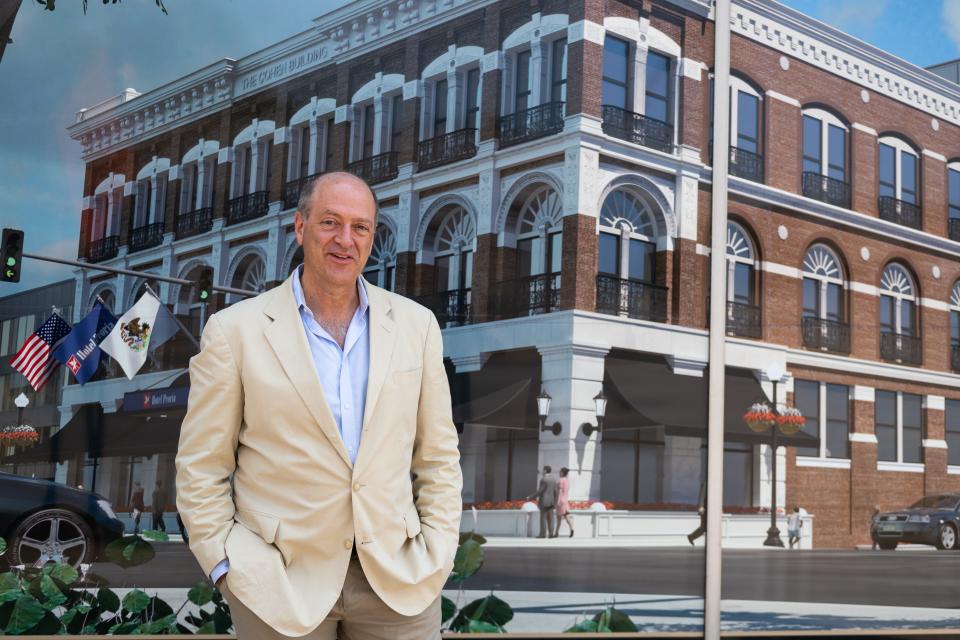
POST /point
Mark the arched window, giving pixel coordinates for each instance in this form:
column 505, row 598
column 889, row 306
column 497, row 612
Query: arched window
column 743, row 313
column 197, row 177
column 899, row 333
column 251, row 274
column 899, row 178
column 381, row 268
column 539, row 234
column 107, row 298
column 825, row 153
column 953, row 200
column 955, row 327
column 141, row 288
column 628, row 238
column 823, row 284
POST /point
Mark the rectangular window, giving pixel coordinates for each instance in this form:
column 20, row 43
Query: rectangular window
column 246, row 167
column 806, row 395
column 748, row 122
column 525, row 250
column 954, row 328
column 834, row 302
column 657, row 104
column 615, row 78
column 328, row 160
column 887, row 318
column 554, row 258
column 912, row 428
column 812, row 145
column 743, row 283
column 643, row 257
column 609, row 254
column 837, row 438
column 558, row 71
column 304, row 152
column 441, row 271
column 888, row 171
column 908, row 177
column 440, row 108
column 952, row 428
column 466, row 270
column 522, row 92
column 471, row 120
column 368, row 124
column 907, row 327
column 885, row 425
column 811, row 298
column 396, row 111
column 837, row 153
column 188, row 185
column 953, row 193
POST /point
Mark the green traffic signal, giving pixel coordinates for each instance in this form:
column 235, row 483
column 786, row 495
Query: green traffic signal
column 11, row 261
column 11, row 250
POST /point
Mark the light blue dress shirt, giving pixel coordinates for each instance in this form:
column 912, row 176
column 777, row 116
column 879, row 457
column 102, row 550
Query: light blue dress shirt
column 342, row 372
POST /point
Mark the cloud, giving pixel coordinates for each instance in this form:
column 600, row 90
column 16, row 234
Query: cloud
column 854, row 15
column 951, row 20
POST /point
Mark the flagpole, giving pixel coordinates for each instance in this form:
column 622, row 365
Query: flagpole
column 173, row 315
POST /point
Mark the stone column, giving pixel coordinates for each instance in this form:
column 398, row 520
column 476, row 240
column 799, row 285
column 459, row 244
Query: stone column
column 934, row 446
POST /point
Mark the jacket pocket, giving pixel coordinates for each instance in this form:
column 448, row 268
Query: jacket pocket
column 262, row 524
column 412, row 521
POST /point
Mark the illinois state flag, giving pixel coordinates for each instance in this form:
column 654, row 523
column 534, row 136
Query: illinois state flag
column 143, row 328
column 80, row 350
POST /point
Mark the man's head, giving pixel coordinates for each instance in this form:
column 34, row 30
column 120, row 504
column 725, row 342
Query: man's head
column 547, row 468
column 335, row 223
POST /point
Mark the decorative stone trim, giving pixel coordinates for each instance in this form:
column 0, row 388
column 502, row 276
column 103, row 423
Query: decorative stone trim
column 909, row 467
column 823, row 463
column 934, row 444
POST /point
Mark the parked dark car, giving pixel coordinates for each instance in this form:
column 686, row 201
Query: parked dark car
column 933, row 520
column 43, row 521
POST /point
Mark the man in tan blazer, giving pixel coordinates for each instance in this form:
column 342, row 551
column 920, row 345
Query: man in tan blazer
column 318, row 473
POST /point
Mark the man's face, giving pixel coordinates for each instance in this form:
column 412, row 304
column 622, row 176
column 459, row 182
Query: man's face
column 337, row 236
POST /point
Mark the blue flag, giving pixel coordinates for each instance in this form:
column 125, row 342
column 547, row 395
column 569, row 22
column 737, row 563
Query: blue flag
column 80, row 350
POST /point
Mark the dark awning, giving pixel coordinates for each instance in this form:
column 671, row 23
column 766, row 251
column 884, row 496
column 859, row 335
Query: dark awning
column 502, row 394
column 646, row 393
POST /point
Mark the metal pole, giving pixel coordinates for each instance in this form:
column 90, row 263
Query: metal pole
column 175, row 318
column 718, row 329
column 773, row 533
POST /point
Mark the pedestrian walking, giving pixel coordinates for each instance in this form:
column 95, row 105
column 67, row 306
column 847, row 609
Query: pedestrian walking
column 794, row 527
column 548, row 492
column 158, row 507
column 874, row 517
column 563, row 502
column 136, row 506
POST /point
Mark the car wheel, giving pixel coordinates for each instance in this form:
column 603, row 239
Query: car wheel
column 887, row 546
column 947, row 537
column 51, row 535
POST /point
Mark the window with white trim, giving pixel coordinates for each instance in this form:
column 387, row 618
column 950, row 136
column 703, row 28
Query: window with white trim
column 650, row 95
column 628, row 238
column 451, row 99
column 741, row 264
column 953, row 196
column 539, row 236
column 899, row 170
column 898, row 305
column 198, row 171
column 955, row 325
column 381, row 267
column 376, row 126
column 826, row 408
column 107, row 208
column 453, row 252
column 823, row 284
column 745, row 111
column 825, row 144
column 150, row 193
column 309, row 152
column 952, row 431
column 899, row 426
column 251, row 166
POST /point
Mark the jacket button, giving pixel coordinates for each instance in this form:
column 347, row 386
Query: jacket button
column 348, row 544
column 356, row 486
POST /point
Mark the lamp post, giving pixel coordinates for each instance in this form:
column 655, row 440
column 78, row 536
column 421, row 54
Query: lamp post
column 21, row 402
column 543, row 410
column 600, row 404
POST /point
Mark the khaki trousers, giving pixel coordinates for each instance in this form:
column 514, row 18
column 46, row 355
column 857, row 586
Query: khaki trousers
column 359, row 614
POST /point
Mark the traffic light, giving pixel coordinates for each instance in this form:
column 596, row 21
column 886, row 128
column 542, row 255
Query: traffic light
column 12, row 255
column 205, row 286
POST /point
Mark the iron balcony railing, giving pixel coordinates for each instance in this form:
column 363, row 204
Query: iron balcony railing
column 640, row 300
column 953, row 227
column 746, row 164
column 253, row 205
column 452, row 308
column 826, row 189
column 536, row 122
column 291, row 193
column 900, row 211
column 526, row 296
column 145, row 237
column 103, row 249
column 826, row 335
column 900, row 347
column 374, row 169
column 955, row 357
column 446, row 148
column 195, row 222
column 637, row 128
column 743, row 320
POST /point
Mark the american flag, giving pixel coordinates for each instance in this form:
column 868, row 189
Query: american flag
column 33, row 359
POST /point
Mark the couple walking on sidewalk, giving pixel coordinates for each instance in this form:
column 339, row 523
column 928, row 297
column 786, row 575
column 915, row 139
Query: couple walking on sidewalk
column 553, row 500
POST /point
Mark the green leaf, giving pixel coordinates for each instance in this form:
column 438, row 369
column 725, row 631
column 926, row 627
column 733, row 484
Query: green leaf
column 447, row 609
column 49, row 624
column 73, row 612
column 200, row 593
column 51, row 592
column 467, row 561
column 64, row 573
column 222, row 621
column 123, row 628
column 108, row 600
column 156, row 536
column 27, row 612
column 136, row 601
column 3, row 546
column 9, row 587
column 583, row 626
column 471, row 535
column 206, row 629
column 130, row 551
column 479, row 626
column 492, row 609
column 612, row 619
column 158, row 625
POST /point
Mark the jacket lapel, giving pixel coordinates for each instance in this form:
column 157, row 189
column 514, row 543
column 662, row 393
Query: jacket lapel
column 288, row 340
column 383, row 337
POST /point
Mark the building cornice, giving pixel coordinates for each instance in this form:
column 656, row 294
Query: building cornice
column 820, row 45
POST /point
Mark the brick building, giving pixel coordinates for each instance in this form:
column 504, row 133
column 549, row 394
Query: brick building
column 543, row 171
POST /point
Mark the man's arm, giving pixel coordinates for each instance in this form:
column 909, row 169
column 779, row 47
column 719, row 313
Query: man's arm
column 437, row 480
column 206, row 457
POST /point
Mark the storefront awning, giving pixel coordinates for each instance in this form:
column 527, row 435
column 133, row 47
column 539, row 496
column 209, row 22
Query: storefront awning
column 502, row 394
column 645, row 393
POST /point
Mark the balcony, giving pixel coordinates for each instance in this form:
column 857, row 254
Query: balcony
column 825, row 335
column 630, row 298
column 536, row 122
column 743, row 320
column 826, row 189
column 953, row 227
column 376, row 169
column 452, row 308
column 900, row 347
column 253, row 205
column 103, row 249
column 527, row 296
column 447, row 148
column 145, row 237
column 291, row 193
column 899, row 211
column 746, row 164
column 638, row 129
column 195, row 222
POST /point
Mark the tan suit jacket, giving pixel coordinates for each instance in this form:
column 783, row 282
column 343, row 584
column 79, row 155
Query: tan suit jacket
column 264, row 479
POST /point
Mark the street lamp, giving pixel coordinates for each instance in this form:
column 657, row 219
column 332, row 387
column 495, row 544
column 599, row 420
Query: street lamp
column 543, row 410
column 21, row 401
column 600, row 402
column 762, row 417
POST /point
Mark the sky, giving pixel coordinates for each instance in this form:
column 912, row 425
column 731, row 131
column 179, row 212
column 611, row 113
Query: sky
column 62, row 61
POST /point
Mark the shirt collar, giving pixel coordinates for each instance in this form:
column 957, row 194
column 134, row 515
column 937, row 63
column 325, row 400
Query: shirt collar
column 301, row 301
